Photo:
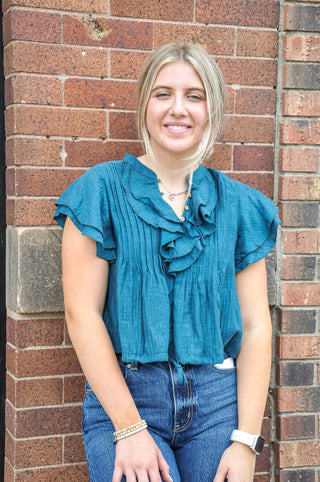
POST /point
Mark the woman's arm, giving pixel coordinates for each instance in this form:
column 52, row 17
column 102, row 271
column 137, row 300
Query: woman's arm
column 253, row 370
column 85, row 281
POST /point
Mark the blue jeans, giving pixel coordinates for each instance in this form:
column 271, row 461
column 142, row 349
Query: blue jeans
column 191, row 423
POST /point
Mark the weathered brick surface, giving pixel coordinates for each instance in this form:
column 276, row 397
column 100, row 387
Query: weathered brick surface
column 257, row 43
column 50, row 121
column 100, row 94
column 301, row 47
column 301, row 294
column 301, row 76
column 31, row 25
column 298, row 346
column 301, row 103
column 300, row 399
column 29, row 212
column 88, row 153
column 217, row 40
column 295, row 374
column 299, row 188
column 106, row 32
column 235, row 12
column 96, row 6
column 255, row 101
column 296, row 475
column 297, row 321
column 253, row 158
column 30, row 151
column 31, row 89
column 73, row 449
column 299, row 267
column 126, row 64
column 251, row 72
column 301, row 17
column 296, row 214
column 34, row 392
column 55, row 59
column 297, row 454
column 154, row 9
column 299, row 159
column 297, row 427
column 299, row 242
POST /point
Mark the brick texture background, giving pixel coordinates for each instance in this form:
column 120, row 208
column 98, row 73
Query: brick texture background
column 297, row 390
column 71, row 68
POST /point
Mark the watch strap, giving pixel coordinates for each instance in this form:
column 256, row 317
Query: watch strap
column 255, row 442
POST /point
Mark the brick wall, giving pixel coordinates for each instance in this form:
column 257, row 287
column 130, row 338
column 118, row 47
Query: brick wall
column 70, row 87
column 297, row 396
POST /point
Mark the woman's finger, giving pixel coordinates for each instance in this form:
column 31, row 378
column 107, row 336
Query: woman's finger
column 163, row 467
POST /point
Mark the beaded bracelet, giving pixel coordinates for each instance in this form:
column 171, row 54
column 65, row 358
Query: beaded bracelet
column 126, row 432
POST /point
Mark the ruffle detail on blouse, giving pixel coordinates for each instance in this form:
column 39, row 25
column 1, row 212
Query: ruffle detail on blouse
column 181, row 242
column 84, row 205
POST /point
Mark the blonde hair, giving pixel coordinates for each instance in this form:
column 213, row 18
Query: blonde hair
column 211, row 77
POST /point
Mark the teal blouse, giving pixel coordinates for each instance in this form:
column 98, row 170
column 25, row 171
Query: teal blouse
column 172, row 292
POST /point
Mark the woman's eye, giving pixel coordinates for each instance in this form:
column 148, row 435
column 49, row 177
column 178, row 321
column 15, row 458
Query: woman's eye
column 162, row 95
column 195, row 97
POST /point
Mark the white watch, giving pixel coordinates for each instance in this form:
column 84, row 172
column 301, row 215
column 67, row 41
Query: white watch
column 255, row 442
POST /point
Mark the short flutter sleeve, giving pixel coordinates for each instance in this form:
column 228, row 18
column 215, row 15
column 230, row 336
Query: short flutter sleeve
column 86, row 203
column 257, row 226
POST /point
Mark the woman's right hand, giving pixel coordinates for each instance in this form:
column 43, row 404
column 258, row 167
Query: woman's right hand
column 139, row 458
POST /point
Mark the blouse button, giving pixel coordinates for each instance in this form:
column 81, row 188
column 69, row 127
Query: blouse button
column 183, row 218
column 129, row 365
column 186, row 208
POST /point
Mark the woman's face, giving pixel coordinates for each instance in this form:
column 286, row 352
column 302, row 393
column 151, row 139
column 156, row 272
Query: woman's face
column 176, row 114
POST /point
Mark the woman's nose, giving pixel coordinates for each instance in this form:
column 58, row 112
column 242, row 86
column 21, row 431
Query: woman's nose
column 178, row 107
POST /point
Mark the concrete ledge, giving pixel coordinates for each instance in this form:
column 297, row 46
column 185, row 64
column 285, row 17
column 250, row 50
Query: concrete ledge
column 34, row 270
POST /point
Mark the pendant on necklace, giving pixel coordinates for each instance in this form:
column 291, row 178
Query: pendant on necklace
column 171, row 196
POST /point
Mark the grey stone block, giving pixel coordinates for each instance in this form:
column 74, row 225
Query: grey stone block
column 34, row 270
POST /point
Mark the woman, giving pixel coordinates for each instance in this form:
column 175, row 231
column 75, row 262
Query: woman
column 165, row 286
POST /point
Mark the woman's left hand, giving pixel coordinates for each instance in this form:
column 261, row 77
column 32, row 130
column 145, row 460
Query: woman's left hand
column 237, row 464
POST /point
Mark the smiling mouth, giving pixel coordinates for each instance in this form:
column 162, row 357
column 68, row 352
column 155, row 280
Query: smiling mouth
column 176, row 127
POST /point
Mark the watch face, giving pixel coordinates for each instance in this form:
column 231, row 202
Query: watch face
column 259, row 445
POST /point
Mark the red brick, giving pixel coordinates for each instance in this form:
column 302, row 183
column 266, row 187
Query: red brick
column 180, row 10
column 299, row 188
column 35, row 392
column 44, row 182
column 32, row 25
column 299, row 242
column 301, row 294
column 27, row 89
column 33, row 151
column 217, row 40
column 295, row 373
column 257, row 43
column 301, row 76
column 73, row 391
column 298, row 267
column 297, row 427
column 101, row 94
column 295, row 454
column 297, row 214
column 42, row 362
column 221, row 157
column 297, row 321
column 55, row 59
column 126, row 64
column 301, row 103
column 300, row 132
column 122, row 125
column 303, row 399
column 295, row 475
column 248, row 129
column 299, row 159
column 30, row 212
column 253, row 158
column 235, row 12
column 73, row 449
column 35, row 452
column 9, row 474
column 263, row 463
column 301, row 17
column 106, row 32
column 96, row 6
column 89, row 153
column 61, row 473
column 301, row 47
column 298, row 346
column 38, row 422
column 249, row 71
column 53, row 121
column 255, row 101
column 261, row 181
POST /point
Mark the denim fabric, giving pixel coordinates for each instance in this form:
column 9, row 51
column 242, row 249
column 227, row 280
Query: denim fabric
column 191, row 423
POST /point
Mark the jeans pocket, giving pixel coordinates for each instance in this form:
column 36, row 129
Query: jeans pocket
column 222, row 369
